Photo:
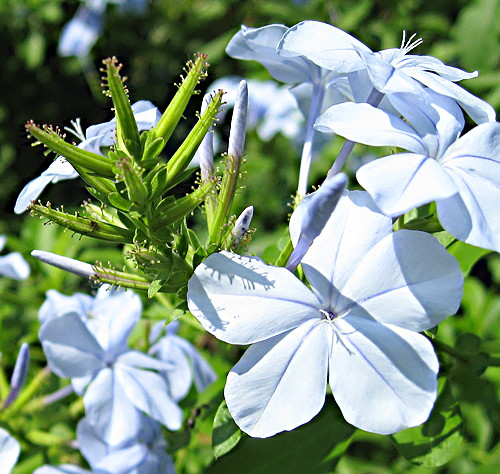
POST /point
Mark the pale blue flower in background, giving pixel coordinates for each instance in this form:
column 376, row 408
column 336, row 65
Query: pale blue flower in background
column 186, row 363
column 372, row 291
column 96, row 137
column 13, row 265
column 81, row 33
column 461, row 174
column 91, row 350
column 146, row 454
column 9, row 451
column 63, row 469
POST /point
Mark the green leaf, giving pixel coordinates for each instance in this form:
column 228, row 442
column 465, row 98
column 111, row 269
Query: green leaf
column 313, row 448
column 435, row 442
column 154, row 287
column 226, row 434
column 466, row 254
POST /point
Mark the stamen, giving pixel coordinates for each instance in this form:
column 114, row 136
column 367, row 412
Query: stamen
column 407, row 46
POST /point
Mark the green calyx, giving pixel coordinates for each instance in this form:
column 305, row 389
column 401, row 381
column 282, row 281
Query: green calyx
column 88, row 161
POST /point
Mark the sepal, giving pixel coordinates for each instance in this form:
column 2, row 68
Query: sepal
column 127, row 132
column 83, row 225
column 78, row 157
column 196, row 71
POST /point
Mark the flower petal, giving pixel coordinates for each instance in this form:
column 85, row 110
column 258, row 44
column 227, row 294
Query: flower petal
column 323, row 44
column 354, row 228
column 242, row 300
column 384, row 378
column 473, row 163
column 478, row 110
column 71, row 350
column 110, row 412
column 408, row 279
column 13, row 265
column 280, row 383
column 404, row 181
column 148, row 392
column 363, row 123
column 9, row 451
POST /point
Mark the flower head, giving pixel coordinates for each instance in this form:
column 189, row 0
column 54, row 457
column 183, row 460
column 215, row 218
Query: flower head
column 372, row 291
column 91, row 349
column 461, row 174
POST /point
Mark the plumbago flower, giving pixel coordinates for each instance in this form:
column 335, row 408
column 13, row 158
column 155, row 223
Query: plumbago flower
column 187, row 365
column 461, row 174
column 91, row 350
column 389, row 71
column 13, row 265
column 372, row 291
column 96, row 137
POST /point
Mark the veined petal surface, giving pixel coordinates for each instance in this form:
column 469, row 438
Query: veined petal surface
column 363, row 123
column 354, row 228
column 408, row 280
column 383, row 377
column 241, row 300
column 280, row 383
column 404, row 181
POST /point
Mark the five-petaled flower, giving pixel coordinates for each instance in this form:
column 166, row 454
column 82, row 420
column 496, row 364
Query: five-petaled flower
column 372, row 291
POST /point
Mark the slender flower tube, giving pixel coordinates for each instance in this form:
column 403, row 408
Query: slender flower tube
column 205, row 152
column 239, row 122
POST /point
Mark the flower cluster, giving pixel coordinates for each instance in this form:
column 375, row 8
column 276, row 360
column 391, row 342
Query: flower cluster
column 127, row 394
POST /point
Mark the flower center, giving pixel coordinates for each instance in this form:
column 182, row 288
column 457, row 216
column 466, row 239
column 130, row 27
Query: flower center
column 407, row 46
column 328, row 315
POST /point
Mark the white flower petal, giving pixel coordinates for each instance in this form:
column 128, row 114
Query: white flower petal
column 242, row 300
column 384, row 378
column 13, row 265
column 404, row 181
column 354, row 228
column 323, row 44
column 149, row 393
column 9, row 451
column 478, row 110
column 31, row 192
column 408, row 279
column 280, row 383
column 110, row 412
column 363, row 123
column 473, row 162
column 70, row 348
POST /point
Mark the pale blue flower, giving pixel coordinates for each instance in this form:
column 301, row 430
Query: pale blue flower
column 372, row 291
column 186, row 365
column 461, row 174
column 13, row 265
column 91, row 350
column 9, row 451
column 389, row 71
column 63, row 469
column 96, row 137
column 81, row 33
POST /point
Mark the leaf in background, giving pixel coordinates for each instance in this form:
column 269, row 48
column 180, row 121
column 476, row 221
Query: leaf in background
column 466, row 254
column 436, row 441
column 312, row 448
column 226, row 433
